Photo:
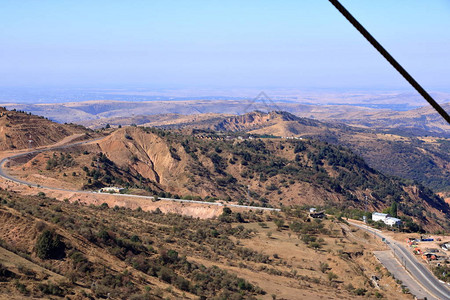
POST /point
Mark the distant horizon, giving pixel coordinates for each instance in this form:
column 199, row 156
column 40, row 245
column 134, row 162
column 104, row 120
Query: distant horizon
column 399, row 100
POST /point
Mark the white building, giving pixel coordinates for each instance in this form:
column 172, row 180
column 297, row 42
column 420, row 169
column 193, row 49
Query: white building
column 391, row 221
column 379, row 216
column 385, row 218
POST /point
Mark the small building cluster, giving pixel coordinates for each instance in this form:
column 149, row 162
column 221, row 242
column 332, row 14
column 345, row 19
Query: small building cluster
column 385, row 218
column 111, row 189
column 445, row 246
column 313, row 213
column 428, row 253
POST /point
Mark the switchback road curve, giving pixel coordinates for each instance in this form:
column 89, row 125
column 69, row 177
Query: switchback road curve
column 415, row 268
column 7, row 176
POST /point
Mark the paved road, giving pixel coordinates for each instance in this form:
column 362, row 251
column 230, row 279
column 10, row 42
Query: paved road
column 436, row 287
column 5, row 175
column 395, row 268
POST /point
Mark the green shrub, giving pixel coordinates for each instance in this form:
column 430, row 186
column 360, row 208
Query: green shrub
column 5, row 273
column 22, row 288
column 360, row 291
column 49, row 245
column 51, row 289
column 332, row 276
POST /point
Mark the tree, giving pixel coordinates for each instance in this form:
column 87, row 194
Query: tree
column 49, row 245
column 332, row 276
column 239, row 218
column 169, row 256
column 323, row 267
column 393, row 209
column 226, row 211
column 279, row 223
column 135, row 239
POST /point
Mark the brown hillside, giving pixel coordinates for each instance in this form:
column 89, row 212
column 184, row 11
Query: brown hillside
column 148, row 154
column 258, row 172
column 423, row 159
column 253, row 120
column 118, row 253
column 96, row 114
column 163, row 120
column 424, row 119
column 18, row 128
column 246, row 122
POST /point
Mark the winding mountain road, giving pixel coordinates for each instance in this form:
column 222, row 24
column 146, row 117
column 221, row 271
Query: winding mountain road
column 422, row 275
column 435, row 287
column 7, row 176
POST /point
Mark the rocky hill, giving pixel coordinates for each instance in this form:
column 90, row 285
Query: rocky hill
column 57, row 249
column 418, row 121
column 96, row 114
column 254, row 171
column 424, row 159
column 256, row 120
column 19, row 130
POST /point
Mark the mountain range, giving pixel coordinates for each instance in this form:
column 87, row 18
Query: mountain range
column 96, row 114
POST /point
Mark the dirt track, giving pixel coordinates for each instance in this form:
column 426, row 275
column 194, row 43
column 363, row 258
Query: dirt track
column 88, row 198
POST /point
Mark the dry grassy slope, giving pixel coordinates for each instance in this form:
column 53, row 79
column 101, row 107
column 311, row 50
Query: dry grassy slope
column 246, row 122
column 422, row 159
column 252, row 120
column 166, row 161
column 17, row 128
column 150, row 155
column 425, row 118
column 170, row 119
column 289, row 129
column 184, row 165
column 278, row 261
column 20, row 230
column 154, row 161
column 98, row 113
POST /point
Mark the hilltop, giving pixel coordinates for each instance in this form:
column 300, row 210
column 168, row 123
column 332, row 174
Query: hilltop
column 420, row 121
column 95, row 114
column 257, row 120
column 20, row 130
column 80, row 249
column 279, row 123
column 421, row 158
column 410, row 144
column 275, row 172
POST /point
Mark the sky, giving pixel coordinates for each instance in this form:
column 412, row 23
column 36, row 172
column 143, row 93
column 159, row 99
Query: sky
column 222, row 44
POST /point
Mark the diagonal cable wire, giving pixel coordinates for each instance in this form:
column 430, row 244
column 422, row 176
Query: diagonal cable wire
column 390, row 59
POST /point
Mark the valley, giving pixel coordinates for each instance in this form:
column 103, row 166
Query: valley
column 256, row 172
column 409, row 144
column 163, row 246
column 212, row 150
column 98, row 113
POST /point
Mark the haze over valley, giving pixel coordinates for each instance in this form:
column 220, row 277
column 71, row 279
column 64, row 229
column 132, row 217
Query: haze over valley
column 232, row 150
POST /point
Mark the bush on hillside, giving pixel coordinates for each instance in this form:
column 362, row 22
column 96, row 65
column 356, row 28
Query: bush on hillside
column 50, row 246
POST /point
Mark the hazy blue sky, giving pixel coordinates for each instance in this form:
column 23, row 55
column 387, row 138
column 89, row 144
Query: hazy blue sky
column 296, row 44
